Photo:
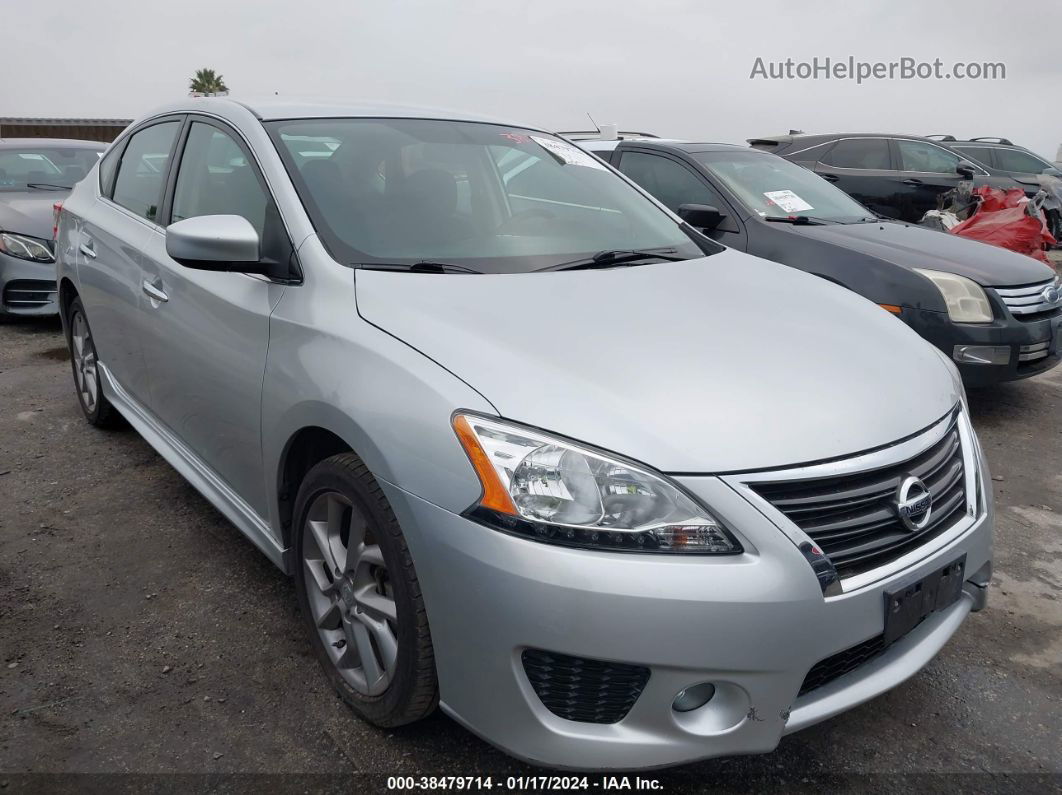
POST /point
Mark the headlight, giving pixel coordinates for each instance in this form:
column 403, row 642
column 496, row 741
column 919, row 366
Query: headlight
column 966, row 301
column 552, row 490
column 25, row 247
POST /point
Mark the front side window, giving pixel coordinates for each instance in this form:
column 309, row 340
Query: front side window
column 671, row 182
column 216, row 178
column 866, row 153
column 489, row 197
column 1023, row 162
column 926, row 158
column 142, row 171
column 773, row 187
column 45, row 167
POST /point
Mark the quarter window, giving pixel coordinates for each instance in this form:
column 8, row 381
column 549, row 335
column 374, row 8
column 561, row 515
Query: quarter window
column 670, row 182
column 143, row 169
column 926, row 158
column 977, row 154
column 867, row 153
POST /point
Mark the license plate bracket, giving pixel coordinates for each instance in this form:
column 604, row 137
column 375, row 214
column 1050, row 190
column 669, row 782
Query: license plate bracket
column 906, row 607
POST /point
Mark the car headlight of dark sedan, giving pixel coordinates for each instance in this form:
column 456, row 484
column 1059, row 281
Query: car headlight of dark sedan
column 25, row 247
column 557, row 491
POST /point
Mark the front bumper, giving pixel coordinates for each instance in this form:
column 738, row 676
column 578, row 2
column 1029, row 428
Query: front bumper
column 752, row 624
column 27, row 288
column 1017, row 335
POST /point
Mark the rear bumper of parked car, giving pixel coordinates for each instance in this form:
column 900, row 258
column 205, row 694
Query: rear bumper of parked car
column 27, row 288
column 754, row 625
column 1035, row 345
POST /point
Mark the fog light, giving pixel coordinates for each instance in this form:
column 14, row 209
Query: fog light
column 982, row 354
column 693, row 697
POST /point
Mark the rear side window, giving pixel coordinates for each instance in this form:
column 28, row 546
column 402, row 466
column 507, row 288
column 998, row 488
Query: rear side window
column 869, row 153
column 142, row 171
column 670, row 182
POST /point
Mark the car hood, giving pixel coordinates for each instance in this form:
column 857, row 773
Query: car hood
column 911, row 246
column 29, row 212
column 718, row 364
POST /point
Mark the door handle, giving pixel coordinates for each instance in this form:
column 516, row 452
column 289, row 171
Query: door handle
column 912, row 182
column 153, row 292
column 86, row 249
column 829, row 177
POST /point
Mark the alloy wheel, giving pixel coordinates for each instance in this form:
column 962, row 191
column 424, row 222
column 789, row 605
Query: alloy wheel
column 350, row 594
column 84, row 354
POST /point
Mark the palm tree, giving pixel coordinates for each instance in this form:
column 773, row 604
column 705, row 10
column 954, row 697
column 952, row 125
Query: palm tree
column 206, row 82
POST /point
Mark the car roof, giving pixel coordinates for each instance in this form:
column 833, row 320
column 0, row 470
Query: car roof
column 277, row 108
column 19, row 143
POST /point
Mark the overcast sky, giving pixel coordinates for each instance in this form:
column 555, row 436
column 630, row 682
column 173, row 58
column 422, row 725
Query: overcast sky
column 675, row 67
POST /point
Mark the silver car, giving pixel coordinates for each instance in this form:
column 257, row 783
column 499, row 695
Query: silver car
column 610, row 494
column 35, row 174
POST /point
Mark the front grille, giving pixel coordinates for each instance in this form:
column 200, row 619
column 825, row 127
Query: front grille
column 853, row 518
column 28, row 293
column 844, row 662
column 584, row 690
column 1029, row 302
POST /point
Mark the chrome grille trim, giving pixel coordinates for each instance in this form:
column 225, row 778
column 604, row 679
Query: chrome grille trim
column 1028, row 300
column 29, row 292
column 865, row 464
column 1034, row 352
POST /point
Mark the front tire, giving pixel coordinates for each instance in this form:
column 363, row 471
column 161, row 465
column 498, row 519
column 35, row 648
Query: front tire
column 360, row 596
column 85, row 363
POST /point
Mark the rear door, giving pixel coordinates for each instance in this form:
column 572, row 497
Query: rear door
column 863, row 168
column 113, row 232
column 207, row 332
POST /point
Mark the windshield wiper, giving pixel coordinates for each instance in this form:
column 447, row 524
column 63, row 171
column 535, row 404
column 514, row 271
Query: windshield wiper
column 796, row 220
column 46, row 186
column 609, row 259
column 424, row 266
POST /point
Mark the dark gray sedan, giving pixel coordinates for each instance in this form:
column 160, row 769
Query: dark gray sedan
column 35, row 173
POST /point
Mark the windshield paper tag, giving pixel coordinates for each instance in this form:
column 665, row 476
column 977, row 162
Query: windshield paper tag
column 566, row 153
column 788, row 201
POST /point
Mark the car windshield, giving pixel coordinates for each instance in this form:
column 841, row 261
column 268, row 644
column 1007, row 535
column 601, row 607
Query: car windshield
column 775, row 188
column 50, row 166
column 486, row 197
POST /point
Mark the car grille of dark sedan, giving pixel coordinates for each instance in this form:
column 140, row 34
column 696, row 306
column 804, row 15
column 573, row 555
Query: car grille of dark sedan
column 854, row 519
column 844, row 662
column 584, row 690
column 1029, row 303
column 28, row 293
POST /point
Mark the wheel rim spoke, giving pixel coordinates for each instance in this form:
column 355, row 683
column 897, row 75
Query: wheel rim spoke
column 356, row 540
column 366, row 654
column 379, row 607
column 319, row 531
column 316, row 569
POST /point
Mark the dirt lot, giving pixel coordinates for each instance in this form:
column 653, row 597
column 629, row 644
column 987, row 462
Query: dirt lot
column 140, row 633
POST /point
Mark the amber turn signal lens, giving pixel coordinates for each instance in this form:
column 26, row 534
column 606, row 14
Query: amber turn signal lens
column 495, row 495
column 891, row 308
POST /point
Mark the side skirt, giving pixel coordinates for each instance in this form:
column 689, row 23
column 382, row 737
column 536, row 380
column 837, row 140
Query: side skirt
column 192, row 469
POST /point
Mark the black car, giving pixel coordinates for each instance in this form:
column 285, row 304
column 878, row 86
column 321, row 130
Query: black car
column 996, row 313
column 897, row 176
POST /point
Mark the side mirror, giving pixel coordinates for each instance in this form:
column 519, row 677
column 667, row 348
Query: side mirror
column 701, row 216
column 215, row 243
column 965, row 169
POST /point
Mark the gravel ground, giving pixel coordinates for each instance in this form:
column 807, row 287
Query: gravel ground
column 141, row 634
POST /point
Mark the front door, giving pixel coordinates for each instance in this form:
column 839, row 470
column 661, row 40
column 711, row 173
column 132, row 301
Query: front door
column 863, row 168
column 207, row 331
